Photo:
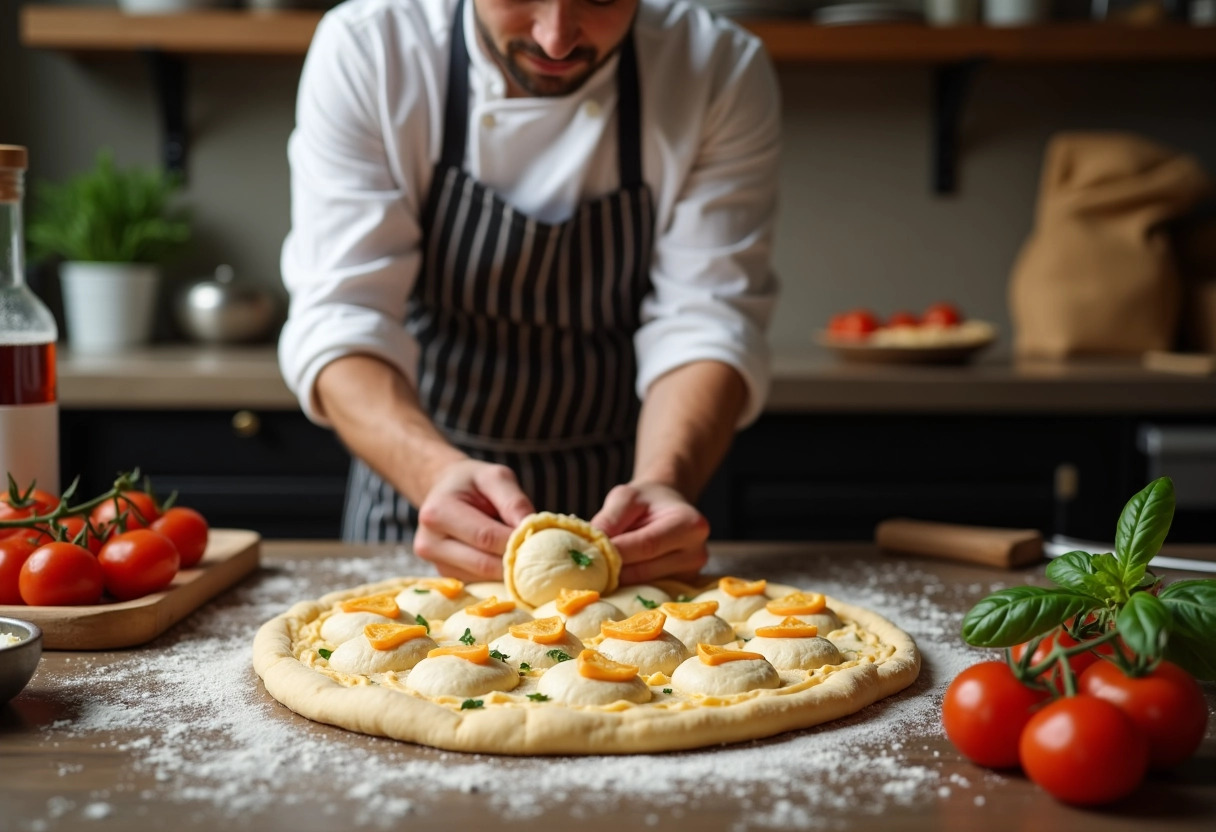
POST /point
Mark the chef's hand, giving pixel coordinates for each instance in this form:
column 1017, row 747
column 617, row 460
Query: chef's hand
column 467, row 517
column 658, row 532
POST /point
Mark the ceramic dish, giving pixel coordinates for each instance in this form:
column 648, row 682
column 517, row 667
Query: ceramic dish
column 18, row 660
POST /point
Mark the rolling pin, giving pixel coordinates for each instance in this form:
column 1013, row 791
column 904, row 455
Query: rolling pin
column 1004, row 548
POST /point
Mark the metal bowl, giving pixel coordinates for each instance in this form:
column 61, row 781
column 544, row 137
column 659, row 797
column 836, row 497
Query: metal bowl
column 18, row 661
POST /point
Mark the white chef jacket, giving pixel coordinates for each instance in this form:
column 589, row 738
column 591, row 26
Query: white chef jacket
column 369, row 130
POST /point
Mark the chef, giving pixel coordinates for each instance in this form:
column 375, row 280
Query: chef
column 529, row 266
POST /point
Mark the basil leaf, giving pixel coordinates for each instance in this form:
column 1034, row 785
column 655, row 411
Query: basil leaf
column 538, row 697
column 1196, row 656
column 666, row 690
column 1012, row 616
column 467, row 639
column 502, row 657
column 558, row 656
column 423, row 591
column 580, row 559
column 646, row 602
column 325, row 654
column 1192, row 644
column 418, row 619
column 1143, row 524
column 471, row 704
column 1144, row 622
column 1079, row 571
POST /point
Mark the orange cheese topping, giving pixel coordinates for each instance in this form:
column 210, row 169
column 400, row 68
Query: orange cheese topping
column 798, row 603
column 384, row 604
column 388, row 636
column 713, row 655
column 739, row 588
column 541, row 630
column 449, row 588
column 570, row 601
column 490, row 607
column 690, row 610
column 643, row 626
column 789, row 628
column 477, row 653
column 593, row 664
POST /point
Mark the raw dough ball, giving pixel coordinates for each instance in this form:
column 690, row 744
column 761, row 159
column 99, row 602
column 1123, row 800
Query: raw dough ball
column 483, row 629
column 626, row 598
column 731, row 608
column 565, row 684
column 431, row 604
column 356, row 655
column 343, row 626
column 708, row 629
column 536, row 655
column 586, row 622
column 796, row 653
column 659, row 655
column 694, row 676
column 547, row 552
column 826, row 621
column 454, row 676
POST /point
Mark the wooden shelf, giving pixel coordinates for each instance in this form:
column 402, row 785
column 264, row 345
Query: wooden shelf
column 238, row 32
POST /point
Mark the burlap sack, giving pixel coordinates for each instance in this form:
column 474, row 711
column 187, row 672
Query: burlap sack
column 1097, row 275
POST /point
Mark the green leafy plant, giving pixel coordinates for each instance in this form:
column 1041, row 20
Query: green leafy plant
column 108, row 215
column 1109, row 602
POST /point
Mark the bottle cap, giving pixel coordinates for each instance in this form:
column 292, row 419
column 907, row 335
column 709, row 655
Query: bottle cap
column 14, row 156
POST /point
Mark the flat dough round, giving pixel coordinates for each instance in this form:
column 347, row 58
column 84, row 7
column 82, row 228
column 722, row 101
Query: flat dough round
column 827, row 621
column 586, row 622
column 626, row 598
column 733, row 608
column 343, row 626
column 454, row 676
column 548, row 552
column 520, row 650
column 356, row 655
column 431, row 604
column 694, row 676
column 565, row 684
column 484, row 629
column 708, row 629
column 659, row 655
column 879, row 659
column 796, row 653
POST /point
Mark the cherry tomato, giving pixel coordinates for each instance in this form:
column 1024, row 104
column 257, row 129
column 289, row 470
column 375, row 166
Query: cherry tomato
column 60, row 574
column 74, row 525
column 984, row 711
column 188, row 530
column 903, row 318
column 856, row 324
column 1083, row 750
column 137, row 563
column 942, row 314
column 14, row 552
column 43, row 503
column 140, row 507
column 1167, row 705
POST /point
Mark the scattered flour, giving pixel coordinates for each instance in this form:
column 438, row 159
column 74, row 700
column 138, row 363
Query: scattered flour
column 201, row 733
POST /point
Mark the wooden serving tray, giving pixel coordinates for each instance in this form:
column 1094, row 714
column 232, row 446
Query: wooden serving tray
column 231, row 555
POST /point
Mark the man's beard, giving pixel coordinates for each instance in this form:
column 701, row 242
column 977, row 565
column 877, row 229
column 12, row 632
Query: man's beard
column 534, row 83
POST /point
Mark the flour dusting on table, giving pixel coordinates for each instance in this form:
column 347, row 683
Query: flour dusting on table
column 203, row 732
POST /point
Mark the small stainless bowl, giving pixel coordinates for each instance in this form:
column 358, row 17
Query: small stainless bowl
column 18, row 661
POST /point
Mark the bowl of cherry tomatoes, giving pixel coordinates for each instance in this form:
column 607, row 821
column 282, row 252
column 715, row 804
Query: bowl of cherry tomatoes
column 939, row 335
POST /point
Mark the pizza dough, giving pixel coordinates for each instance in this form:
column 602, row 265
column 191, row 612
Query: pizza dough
column 483, row 629
column 357, row 656
column 537, row 656
column 634, row 599
column 586, row 622
column 449, row 702
column 548, row 552
column 796, row 653
column 344, row 626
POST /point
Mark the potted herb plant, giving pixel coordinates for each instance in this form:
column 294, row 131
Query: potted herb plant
column 113, row 228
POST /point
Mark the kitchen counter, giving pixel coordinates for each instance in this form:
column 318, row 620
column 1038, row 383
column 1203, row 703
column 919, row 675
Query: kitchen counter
column 805, row 380
column 180, row 734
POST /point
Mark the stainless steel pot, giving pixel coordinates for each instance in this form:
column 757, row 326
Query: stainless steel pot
column 223, row 311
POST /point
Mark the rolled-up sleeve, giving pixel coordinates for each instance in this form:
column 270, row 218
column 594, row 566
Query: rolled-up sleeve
column 714, row 290
column 353, row 252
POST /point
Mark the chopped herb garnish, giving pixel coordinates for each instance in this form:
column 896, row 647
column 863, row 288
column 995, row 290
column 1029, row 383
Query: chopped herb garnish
column 646, row 602
column 558, row 656
column 580, row 559
column 684, row 599
column 524, row 667
column 422, row 591
column 325, row 654
column 502, row 657
column 471, row 704
column 666, row 690
column 538, row 697
column 467, row 638
column 418, row 619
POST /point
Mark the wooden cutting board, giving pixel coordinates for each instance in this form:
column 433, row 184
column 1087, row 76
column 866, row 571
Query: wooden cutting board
column 231, row 555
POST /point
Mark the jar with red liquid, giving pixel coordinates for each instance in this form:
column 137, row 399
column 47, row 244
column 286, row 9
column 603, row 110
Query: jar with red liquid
column 29, row 409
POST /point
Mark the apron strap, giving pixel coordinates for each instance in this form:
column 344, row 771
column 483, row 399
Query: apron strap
column 456, row 105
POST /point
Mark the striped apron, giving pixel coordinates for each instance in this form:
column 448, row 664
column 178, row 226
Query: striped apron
column 525, row 328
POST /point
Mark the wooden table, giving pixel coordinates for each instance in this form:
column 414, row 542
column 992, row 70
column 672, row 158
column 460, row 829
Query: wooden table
column 179, row 734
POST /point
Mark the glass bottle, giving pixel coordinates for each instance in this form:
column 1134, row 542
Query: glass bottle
column 29, row 408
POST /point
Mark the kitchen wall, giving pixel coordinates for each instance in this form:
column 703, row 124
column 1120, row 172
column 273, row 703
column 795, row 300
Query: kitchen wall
column 859, row 224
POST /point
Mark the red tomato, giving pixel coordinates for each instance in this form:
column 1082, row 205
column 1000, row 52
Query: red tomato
column 14, row 552
column 43, row 503
column 984, row 711
column 1078, row 663
column 188, row 530
column 903, row 318
column 137, row 563
column 1167, row 705
column 60, row 574
column 856, row 324
column 141, row 511
column 75, row 524
column 1083, row 750
column 942, row 314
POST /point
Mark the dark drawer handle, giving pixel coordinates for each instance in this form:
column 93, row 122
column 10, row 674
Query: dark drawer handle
column 246, row 424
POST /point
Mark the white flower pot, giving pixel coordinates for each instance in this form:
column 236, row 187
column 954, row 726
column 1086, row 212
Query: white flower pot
column 108, row 307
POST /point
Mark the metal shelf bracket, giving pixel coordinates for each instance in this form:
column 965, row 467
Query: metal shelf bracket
column 951, row 83
column 169, row 78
